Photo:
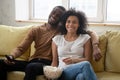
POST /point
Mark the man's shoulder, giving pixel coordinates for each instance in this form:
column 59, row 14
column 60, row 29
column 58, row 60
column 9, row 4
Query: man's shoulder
column 40, row 26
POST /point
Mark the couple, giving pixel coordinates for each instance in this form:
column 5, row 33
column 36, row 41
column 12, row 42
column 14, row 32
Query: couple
column 47, row 55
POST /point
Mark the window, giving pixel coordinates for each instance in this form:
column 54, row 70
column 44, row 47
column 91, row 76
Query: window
column 113, row 14
column 41, row 9
column 95, row 10
column 90, row 7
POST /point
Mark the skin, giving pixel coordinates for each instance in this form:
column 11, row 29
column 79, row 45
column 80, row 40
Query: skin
column 95, row 42
column 96, row 52
column 72, row 25
column 54, row 17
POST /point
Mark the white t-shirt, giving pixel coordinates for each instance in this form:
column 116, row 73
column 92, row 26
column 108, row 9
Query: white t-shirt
column 70, row 48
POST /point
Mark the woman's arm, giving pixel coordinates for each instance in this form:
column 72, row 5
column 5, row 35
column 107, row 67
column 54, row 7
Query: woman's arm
column 87, row 53
column 54, row 55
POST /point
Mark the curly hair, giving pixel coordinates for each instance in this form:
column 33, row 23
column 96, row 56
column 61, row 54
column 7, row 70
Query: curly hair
column 82, row 21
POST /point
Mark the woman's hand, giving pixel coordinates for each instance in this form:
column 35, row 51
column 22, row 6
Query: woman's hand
column 68, row 60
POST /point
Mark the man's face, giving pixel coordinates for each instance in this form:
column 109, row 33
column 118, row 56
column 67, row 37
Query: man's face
column 55, row 16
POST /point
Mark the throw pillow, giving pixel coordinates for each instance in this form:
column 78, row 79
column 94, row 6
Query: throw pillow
column 98, row 66
column 113, row 51
column 10, row 38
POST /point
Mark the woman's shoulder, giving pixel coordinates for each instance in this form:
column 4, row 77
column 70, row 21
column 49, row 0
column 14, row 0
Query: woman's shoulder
column 83, row 37
column 58, row 38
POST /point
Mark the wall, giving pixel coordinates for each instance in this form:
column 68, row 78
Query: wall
column 0, row 12
column 102, row 29
column 7, row 13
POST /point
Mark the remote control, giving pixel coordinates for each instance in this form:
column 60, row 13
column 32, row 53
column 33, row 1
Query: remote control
column 8, row 58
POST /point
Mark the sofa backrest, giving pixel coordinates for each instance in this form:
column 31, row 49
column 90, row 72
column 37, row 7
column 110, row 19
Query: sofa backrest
column 10, row 38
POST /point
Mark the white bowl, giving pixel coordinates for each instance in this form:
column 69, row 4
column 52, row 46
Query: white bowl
column 52, row 72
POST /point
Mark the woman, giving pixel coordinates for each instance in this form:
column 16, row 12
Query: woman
column 72, row 49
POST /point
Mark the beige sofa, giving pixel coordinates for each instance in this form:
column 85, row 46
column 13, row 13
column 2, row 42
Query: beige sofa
column 108, row 68
column 10, row 37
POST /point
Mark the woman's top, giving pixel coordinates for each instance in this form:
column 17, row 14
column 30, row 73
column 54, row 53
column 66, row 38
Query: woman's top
column 74, row 49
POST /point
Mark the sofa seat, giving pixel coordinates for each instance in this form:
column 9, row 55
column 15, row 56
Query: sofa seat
column 18, row 75
column 108, row 76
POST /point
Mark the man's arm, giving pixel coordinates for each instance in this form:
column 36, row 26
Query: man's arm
column 21, row 48
column 24, row 45
column 95, row 41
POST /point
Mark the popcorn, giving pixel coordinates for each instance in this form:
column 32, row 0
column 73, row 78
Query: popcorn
column 52, row 72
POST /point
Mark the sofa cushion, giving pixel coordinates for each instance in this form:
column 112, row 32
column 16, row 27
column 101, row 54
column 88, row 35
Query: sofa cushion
column 10, row 37
column 108, row 76
column 113, row 51
column 18, row 75
column 98, row 66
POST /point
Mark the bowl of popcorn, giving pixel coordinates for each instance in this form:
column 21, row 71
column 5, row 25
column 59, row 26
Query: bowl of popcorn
column 52, row 72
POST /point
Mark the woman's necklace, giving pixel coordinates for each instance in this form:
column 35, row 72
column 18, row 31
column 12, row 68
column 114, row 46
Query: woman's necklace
column 70, row 38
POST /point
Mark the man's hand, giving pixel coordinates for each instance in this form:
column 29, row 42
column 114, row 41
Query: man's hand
column 96, row 53
column 9, row 59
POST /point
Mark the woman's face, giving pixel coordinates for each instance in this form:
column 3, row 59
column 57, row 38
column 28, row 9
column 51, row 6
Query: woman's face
column 72, row 24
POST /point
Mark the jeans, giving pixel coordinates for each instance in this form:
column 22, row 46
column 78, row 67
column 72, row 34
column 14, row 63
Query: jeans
column 79, row 71
column 34, row 68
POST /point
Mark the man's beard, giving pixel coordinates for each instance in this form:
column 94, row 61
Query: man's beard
column 54, row 24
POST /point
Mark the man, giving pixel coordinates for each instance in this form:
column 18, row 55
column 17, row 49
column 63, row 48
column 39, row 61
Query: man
column 42, row 36
column 95, row 42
